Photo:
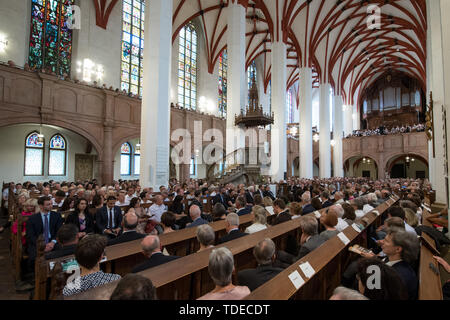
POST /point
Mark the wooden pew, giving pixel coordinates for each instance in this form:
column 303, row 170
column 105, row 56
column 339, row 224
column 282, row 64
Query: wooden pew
column 121, row 258
column 17, row 247
column 187, row 278
column 430, row 286
column 328, row 261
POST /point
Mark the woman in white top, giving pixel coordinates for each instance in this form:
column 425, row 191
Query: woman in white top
column 260, row 220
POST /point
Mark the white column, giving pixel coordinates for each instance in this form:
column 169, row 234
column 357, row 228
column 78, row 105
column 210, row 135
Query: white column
column 356, row 118
column 338, row 162
column 237, row 85
column 278, row 132
column 436, row 75
column 155, row 112
column 325, row 139
column 348, row 120
column 305, row 110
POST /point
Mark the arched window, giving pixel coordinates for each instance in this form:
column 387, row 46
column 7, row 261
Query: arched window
column 125, row 159
column 50, row 36
column 223, row 67
column 137, row 161
column 289, row 107
column 187, row 69
column 132, row 46
column 34, row 155
column 57, row 156
column 251, row 77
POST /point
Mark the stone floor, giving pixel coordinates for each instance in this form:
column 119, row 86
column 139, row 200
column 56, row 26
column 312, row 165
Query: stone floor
column 7, row 282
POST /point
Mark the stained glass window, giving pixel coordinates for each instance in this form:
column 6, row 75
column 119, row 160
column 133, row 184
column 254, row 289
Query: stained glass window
column 192, row 167
column 125, row 159
column 57, row 156
column 137, row 162
column 50, row 36
column 131, row 78
column 289, row 107
column 187, row 68
column 34, row 155
column 251, row 77
column 223, row 67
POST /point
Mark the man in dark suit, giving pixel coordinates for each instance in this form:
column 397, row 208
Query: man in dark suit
column 196, row 216
column 109, row 219
column 67, row 237
column 279, row 208
column 260, row 191
column 309, row 241
column 130, row 222
column 151, row 247
column 232, row 228
column 249, row 195
column 306, row 200
column 47, row 223
column 222, row 198
column 264, row 253
column 269, row 193
column 325, row 197
column 241, row 206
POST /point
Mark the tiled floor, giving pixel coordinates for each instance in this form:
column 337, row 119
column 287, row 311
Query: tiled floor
column 7, row 282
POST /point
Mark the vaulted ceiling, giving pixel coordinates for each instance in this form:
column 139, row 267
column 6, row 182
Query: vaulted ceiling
column 331, row 36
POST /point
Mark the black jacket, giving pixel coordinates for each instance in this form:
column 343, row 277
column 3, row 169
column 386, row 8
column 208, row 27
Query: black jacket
column 125, row 237
column 35, row 228
column 234, row 234
column 154, row 261
column 269, row 194
column 101, row 218
column 282, row 217
column 73, row 219
column 221, row 198
column 62, row 252
column 249, row 197
column 244, row 211
column 254, row 278
column 409, row 278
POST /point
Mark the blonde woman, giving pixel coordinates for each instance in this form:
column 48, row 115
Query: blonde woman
column 267, row 202
column 260, row 220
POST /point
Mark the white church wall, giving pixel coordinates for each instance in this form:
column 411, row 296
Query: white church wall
column 12, row 141
column 102, row 47
column 15, row 28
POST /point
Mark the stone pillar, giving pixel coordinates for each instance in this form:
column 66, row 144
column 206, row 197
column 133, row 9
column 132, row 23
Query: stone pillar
column 305, row 109
column 356, row 118
column 155, row 112
column 325, row 139
column 348, row 120
column 237, row 84
column 338, row 164
column 437, row 78
column 278, row 136
column 108, row 157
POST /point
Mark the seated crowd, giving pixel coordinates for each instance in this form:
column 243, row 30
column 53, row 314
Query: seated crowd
column 93, row 219
column 385, row 131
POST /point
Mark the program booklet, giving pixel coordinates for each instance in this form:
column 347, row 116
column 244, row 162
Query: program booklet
column 358, row 249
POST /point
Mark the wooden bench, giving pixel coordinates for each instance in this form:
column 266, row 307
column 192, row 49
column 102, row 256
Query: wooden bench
column 121, row 258
column 187, row 278
column 328, row 261
column 430, row 286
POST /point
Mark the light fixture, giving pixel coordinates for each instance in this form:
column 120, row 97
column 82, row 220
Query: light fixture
column 333, row 143
column 138, row 147
column 89, row 69
column 3, row 43
column 413, row 159
column 316, row 138
column 294, row 131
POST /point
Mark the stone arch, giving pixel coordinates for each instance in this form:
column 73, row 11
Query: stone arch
column 90, row 136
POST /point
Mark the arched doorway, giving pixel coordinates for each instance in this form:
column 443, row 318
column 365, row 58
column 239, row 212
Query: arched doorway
column 407, row 166
column 361, row 166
